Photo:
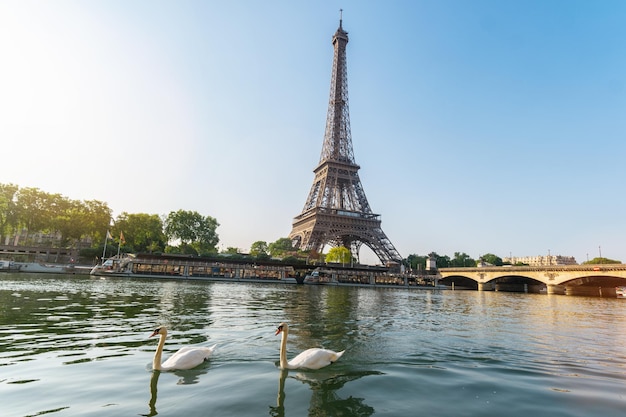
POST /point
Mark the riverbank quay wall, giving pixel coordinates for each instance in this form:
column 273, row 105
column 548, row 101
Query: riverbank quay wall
column 556, row 279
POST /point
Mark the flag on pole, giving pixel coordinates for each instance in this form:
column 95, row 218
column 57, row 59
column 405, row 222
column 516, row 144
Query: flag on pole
column 122, row 240
column 109, row 235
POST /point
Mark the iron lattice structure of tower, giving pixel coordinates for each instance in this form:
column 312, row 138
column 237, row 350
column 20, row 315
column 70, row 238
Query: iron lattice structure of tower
column 336, row 212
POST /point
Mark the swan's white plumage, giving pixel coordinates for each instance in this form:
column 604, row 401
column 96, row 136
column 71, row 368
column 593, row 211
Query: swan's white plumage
column 314, row 358
column 187, row 357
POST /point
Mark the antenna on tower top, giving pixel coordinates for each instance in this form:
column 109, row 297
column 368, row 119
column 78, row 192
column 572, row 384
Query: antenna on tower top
column 340, row 16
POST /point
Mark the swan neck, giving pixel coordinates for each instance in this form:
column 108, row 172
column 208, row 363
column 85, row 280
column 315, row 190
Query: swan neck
column 283, row 350
column 156, row 362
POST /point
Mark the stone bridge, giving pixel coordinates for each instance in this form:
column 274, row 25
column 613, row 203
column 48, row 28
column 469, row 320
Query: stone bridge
column 552, row 279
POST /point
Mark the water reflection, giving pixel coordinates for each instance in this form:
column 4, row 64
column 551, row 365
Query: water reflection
column 324, row 398
column 191, row 377
column 154, row 380
column 279, row 410
column 185, row 378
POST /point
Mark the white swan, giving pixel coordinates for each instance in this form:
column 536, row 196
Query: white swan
column 314, row 358
column 186, row 358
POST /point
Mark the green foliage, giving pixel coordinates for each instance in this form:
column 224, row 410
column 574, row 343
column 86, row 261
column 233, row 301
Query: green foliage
column 492, row 259
column 259, row 248
column 416, row 262
column 35, row 207
column 182, row 249
column 65, row 217
column 462, row 260
column 193, row 229
column 596, row 261
column 98, row 219
column 39, row 211
column 263, row 256
column 281, row 247
column 142, row 232
column 72, row 220
column 339, row 254
column 8, row 209
column 91, row 254
column 291, row 259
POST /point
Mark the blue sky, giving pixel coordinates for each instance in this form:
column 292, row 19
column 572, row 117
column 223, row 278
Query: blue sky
column 480, row 126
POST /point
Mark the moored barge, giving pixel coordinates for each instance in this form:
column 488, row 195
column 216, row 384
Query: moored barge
column 192, row 268
column 368, row 276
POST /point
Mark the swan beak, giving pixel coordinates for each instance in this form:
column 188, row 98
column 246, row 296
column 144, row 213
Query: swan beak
column 280, row 329
column 154, row 333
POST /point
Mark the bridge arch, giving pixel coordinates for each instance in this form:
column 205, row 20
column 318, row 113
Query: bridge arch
column 504, row 282
column 560, row 279
column 459, row 282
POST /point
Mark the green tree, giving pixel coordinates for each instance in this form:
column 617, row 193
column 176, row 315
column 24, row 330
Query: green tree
column 182, row 249
column 33, row 209
column 416, row 263
column 492, row 259
column 339, row 254
column 462, row 260
column 98, row 218
column 192, row 229
column 259, row 248
column 8, row 210
column 66, row 217
column 39, row 211
column 75, row 219
column 599, row 260
column 142, row 232
column 281, row 247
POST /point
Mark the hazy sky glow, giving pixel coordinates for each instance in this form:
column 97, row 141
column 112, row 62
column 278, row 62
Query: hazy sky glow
column 479, row 126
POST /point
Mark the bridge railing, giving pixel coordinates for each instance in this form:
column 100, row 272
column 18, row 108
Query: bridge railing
column 555, row 268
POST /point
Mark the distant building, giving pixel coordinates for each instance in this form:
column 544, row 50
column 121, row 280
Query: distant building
column 41, row 239
column 542, row 260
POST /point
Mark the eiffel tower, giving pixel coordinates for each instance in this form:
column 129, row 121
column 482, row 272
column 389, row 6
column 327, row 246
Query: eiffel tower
column 336, row 212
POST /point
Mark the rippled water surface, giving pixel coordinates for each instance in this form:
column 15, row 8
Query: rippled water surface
column 79, row 346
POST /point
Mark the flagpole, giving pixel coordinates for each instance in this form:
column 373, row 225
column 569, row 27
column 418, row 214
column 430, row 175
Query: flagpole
column 106, row 238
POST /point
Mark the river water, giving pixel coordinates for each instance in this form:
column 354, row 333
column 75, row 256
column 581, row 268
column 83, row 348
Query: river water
column 79, row 346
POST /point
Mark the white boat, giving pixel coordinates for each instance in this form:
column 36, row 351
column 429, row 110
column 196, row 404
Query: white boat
column 620, row 292
column 36, row 267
